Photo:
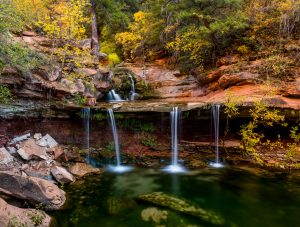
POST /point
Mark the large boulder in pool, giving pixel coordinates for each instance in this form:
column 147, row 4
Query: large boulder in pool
column 33, row 190
column 183, row 206
column 14, row 216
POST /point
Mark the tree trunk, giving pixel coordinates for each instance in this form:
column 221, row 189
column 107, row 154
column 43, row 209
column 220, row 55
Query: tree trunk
column 95, row 38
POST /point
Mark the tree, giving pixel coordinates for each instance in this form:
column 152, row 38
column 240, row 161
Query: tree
column 65, row 25
column 95, row 37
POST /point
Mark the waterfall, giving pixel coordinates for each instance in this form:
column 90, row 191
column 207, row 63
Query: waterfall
column 118, row 167
column 115, row 134
column 86, row 122
column 113, row 96
column 133, row 94
column 174, row 127
column 174, row 167
column 216, row 119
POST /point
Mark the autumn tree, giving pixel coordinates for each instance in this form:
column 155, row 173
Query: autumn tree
column 65, row 24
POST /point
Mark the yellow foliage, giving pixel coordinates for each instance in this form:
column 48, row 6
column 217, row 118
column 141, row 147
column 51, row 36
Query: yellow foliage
column 31, row 10
column 113, row 59
column 243, row 49
column 65, row 20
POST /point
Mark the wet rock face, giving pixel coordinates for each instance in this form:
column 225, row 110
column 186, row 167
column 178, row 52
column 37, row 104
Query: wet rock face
column 32, row 189
column 14, row 216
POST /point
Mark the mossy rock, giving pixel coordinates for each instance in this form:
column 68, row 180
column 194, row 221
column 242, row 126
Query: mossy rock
column 182, row 206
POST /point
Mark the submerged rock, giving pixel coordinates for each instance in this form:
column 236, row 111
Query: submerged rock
column 154, row 214
column 14, row 216
column 183, row 206
column 32, row 189
column 116, row 205
column 81, row 170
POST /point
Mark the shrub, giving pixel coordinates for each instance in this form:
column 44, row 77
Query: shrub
column 5, row 94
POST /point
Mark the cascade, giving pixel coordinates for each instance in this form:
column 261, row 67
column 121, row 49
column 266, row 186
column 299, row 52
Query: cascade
column 113, row 96
column 133, row 94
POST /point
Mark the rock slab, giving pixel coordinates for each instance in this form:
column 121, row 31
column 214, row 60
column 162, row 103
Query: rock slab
column 33, row 190
column 62, row 175
column 29, row 149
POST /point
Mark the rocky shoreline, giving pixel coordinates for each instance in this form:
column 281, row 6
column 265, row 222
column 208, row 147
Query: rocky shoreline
column 31, row 170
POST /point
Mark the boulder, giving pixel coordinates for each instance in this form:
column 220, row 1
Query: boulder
column 81, row 170
column 5, row 157
column 47, row 141
column 56, row 152
column 62, row 175
column 14, row 216
column 241, row 78
column 204, row 79
column 20, row 138
column 40, row 169
column 33, row 190
column 29, row 150
column 182, row 206
column 29, row 33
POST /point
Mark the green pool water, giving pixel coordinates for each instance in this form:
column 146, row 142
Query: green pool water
column 241, row 196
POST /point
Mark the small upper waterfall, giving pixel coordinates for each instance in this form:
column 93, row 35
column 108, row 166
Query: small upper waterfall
column 113, row 96
column 216, row 119
column 133, row 94
column 175, row 117
column 86, row 122
column 118, row 167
